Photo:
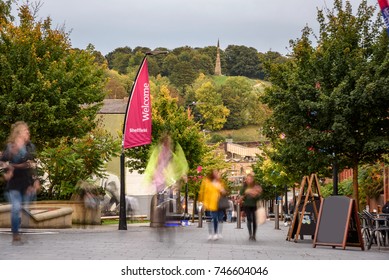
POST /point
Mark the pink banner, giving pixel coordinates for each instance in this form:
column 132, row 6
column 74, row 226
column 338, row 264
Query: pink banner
column 137, row 125
column 384, row 5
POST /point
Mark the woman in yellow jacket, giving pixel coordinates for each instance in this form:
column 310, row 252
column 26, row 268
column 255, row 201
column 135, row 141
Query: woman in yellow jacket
column 212, row 187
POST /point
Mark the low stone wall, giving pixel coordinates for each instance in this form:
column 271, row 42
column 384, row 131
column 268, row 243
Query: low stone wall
column 39, row 216
column 48, row 214
column 80, row 215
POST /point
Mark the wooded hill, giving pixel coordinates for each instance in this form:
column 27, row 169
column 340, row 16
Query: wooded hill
column 230, row 101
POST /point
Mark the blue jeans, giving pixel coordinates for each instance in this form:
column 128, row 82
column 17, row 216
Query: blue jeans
column 17, row 199
column 229, row 216
column 217, row 216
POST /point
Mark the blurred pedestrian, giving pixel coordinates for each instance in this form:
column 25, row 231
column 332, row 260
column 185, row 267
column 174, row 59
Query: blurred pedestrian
column 230, row 209
column 22, row 183
column 211, row 189
column 249, row 196
column 167, row 164
column 92, row 196
column 166, row 168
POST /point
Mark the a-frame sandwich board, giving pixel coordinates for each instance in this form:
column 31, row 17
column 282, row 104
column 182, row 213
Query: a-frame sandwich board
column 309, row 194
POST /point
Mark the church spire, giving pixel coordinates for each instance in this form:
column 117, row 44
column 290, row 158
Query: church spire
column 218, row 68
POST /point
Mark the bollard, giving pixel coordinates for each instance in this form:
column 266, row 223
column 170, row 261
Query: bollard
column 276, row 218
column 238, row 217
column 200, row 217
column 157, row 214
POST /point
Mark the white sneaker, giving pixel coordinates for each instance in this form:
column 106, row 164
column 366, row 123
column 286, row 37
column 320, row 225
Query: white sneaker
column 219, row 236
column 210, row 237
column 215, row 237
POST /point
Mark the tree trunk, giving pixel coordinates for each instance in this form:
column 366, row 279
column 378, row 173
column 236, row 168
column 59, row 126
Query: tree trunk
column 355, row 184
column 335, row 177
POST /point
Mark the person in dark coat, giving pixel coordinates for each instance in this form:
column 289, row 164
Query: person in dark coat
column 21, row 187
column 249, row 196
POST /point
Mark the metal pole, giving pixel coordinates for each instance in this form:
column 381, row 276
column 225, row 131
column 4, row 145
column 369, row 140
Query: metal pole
column 286, row 201
column 238, row 217
column 201, row 217
column 186, row 199
column 276, row 217
column 193, row 210
column 122, row 203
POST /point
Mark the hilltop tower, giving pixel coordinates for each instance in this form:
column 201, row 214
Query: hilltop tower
column 218, row 68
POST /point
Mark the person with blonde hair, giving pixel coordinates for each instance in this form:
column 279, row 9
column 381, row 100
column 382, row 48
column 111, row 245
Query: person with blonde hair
column 21, row 186
column 211, row 189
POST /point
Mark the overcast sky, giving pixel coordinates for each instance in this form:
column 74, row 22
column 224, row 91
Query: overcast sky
column 108, row 24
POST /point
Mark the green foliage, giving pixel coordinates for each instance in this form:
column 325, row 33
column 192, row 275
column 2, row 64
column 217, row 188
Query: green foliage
column 183, row 64
column 242, row 61
column 269, row 57
column 55, row 89
column 210, row 106
column 76, row 159
column 371, row 180
column 344, row 188
column 236, row 93
column 370, row 184
column 118, row 86
column 183, row 74
column 272, row 176
column 217, row 138
column 250, row 133
column 5, row 11
column 119, row 59
column 331, row 97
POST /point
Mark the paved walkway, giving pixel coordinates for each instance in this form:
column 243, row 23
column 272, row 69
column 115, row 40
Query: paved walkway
column 141, row 242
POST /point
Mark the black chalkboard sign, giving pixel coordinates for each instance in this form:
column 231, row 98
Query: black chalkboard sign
column 338, row 223
column 308, row 223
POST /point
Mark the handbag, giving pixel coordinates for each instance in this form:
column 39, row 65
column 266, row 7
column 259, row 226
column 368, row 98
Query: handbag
column 223, row 203
column 260, row 215
column 6, row 172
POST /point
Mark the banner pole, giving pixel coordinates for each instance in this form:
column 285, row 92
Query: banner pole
column 122, row 199
column 122, row 209
column 125, row 144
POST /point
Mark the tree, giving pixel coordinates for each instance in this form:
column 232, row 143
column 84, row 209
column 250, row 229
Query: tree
column 99, row 57
column 203, row 64
column 210, row 105
column 55, row 89
column 76, row 159
column 118, row 85
column 242, row 61
column 331, row 98
column 266, row 58
column 235, row 94
column 272, row 177
column 5, row 11
column 183, row 75
column 211, row 51
column 119, row 59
